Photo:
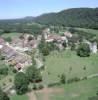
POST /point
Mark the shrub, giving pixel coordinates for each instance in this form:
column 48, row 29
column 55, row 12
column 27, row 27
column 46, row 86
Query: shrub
column 40, row 86
column 84, row 78
column 45, row 51
column 34, row 87
column 75, row 79
column 14, row 71
column 63, row 79
column 54, row 84
column 83, row 50
column 4, row 71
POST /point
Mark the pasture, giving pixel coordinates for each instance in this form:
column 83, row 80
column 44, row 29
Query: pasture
column 70, row 64
column 11, row 35
column 19, row 97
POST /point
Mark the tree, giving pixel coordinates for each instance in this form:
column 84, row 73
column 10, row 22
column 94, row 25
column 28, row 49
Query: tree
column 73, row 46
column 64, row 44
column 21, row 83
column 45, row 51
column 63, row 79
column 72, row 30
column 44, row 47
column 3, row 95
column 83, row 50
column 30, row 38
column 33, row 74
column 3, row 71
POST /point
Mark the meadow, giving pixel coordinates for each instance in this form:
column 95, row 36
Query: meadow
column 70, row 64
column 19, row 97
column 58, row 63
column 11, row 35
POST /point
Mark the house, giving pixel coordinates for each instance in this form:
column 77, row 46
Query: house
column 15, row 58
column 26, row 42
column 2, row 42
column 94, row 48
column 68, row 34
column 92, row 45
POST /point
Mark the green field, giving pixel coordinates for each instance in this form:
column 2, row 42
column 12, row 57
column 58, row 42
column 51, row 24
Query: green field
column 58, row 63
column 92, row 31
column 17, row 97
column 12, row 35
column 81, row 90
column 78, row 91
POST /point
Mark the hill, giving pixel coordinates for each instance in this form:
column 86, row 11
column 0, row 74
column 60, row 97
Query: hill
column 76, row 17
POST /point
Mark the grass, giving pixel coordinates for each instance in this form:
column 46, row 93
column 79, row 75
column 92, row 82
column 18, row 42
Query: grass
column 19, row 97
column 81, row 90
column 78, row 91
column 12, row 35
column 93, row 31
column 58, row 63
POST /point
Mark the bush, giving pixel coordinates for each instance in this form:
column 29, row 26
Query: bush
column 40, row 86
column 14, row 71
column 54, row 84
column 4, row 71
column 83, row 50
column 75, row 79
column 8, row 39
column 93, row 98
column 63, row 79
column 34, row 87
column 45, row 51
column 84, row 78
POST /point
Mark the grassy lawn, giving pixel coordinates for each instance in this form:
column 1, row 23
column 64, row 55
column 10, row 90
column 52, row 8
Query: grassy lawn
column 93, row 31
column 58, row 63
column 12, row 35
column 81, row 90
column 21, row 97
column 78, row 91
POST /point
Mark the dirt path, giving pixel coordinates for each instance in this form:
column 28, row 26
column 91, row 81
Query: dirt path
column 47, row 91
column 32, row 96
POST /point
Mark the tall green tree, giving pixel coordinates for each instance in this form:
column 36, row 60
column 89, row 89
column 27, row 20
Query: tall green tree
column 63, row 79
column 21, row 83
column 83, row 50
column 33, row 74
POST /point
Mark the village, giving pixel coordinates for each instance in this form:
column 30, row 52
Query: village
column 22, row 49
column 15, row 52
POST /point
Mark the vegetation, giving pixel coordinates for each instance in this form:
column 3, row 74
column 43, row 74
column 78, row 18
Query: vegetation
column 3, row 71
column 70, row 64
column 76, row 17
column 19, row 97
column 33, row 74
column 63, row 79
column 3, row 96
column 60, row 67
column 8, row 39
column 66, row 18
column 21, row 83
column 83, row 50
